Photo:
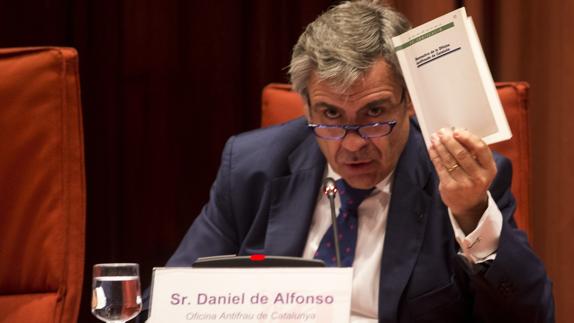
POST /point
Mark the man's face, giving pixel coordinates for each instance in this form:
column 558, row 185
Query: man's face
column 376, row 97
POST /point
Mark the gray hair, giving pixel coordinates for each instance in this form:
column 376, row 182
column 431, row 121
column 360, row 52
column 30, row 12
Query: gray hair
column 343, row 43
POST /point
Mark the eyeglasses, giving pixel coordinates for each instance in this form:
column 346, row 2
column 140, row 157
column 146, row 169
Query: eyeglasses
column 366, row 131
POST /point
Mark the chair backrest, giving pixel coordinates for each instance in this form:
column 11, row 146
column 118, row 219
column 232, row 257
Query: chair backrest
column 42, row 190
column 280, row 104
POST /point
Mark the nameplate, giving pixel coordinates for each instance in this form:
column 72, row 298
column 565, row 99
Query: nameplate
column 251, row 295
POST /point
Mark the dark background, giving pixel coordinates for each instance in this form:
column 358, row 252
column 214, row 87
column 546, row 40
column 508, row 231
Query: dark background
column 165, row 82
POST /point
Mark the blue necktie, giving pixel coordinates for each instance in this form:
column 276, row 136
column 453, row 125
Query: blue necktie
column 347, row 226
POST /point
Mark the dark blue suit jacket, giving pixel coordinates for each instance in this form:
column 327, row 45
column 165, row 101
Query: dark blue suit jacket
column 264, row 197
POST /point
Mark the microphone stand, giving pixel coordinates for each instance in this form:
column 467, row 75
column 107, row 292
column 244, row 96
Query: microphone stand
column 331, row 191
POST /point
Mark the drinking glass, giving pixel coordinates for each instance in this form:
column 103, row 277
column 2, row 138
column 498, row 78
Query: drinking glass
column 116, row 295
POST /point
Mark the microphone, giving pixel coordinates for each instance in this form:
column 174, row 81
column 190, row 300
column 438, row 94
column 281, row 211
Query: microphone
column 330, row 190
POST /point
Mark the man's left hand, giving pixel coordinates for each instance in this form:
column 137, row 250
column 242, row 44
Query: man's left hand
column 466, row 168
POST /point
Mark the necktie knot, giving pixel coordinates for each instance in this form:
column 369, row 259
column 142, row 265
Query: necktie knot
column 351, row 197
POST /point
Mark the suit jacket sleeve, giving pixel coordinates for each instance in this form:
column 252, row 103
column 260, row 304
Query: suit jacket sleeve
column 514, row 287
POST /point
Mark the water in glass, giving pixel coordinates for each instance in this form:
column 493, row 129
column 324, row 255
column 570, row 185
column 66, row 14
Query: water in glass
column 116, row 292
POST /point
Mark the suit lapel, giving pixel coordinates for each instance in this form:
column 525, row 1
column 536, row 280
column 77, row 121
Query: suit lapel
column 405, row 225
column 293, row 199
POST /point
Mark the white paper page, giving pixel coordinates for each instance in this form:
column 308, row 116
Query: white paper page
column 447, row 87
column 504, row 132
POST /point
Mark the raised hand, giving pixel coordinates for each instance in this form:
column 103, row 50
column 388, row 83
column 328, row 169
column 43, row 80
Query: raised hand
column 466, row 168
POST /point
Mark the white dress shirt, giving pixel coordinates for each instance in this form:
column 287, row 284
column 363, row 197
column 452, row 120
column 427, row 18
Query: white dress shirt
column 479, row 245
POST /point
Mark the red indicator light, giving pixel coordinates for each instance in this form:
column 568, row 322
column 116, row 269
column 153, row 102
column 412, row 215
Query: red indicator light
column 257, row 257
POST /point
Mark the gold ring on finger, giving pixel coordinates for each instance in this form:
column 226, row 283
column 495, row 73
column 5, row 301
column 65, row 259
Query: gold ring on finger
column 452, row 168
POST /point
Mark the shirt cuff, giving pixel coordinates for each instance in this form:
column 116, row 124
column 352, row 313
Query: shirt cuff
column 481, row 244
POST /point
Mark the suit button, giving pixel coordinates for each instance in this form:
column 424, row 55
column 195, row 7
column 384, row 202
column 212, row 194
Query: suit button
column 505, row 288
column 420, row 217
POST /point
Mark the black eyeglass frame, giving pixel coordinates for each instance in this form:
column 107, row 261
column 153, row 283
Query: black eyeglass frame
column 355, row 128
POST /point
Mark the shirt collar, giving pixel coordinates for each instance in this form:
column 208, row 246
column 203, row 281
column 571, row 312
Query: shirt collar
column 383, row 186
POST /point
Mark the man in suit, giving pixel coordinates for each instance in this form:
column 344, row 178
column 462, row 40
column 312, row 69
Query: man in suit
column 435, row 241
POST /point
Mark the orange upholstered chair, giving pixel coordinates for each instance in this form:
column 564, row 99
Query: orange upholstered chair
column 280, row 104
column 42, row 190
